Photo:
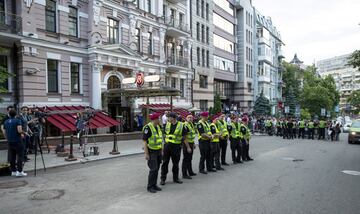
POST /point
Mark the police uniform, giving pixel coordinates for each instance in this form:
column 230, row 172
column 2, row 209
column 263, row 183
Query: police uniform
column 247, row 137
column 204, row 147
column 302, row 129
column 153, row 136
column 235, row 144
column 174, row 135
column 311, row 127
column 243, row 131
column 290, row 125
column 284, row 129
column 294, row 128
column 187, row 159
column 222, row 126
column 322, row 125
column 215, row 148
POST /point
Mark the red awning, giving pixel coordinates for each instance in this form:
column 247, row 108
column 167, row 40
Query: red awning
column 66, row 121
column 162, row 107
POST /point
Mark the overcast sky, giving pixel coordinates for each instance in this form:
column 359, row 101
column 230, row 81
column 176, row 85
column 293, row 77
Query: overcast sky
column 314, row 29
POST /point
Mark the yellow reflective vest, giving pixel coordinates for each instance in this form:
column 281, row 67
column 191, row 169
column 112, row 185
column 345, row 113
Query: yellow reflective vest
column 207, row 130
column 155, row 141
column 216, row 139
column 191, row 134
column 176, row 137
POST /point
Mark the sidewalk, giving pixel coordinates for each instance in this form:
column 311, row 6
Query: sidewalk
column 129, row 147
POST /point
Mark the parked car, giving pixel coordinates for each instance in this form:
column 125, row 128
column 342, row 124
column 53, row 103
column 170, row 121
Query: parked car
column 354, row 132
column 346, row 127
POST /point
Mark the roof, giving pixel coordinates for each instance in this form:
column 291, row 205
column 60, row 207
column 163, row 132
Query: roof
column 63, row 117
column 296, row 60
column 162, row 107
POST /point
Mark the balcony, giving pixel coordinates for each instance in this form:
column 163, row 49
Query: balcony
column 264, row 79
column 262, row 40
column 266, row 59
column 176, row 28
column 177, row 62
column 281, row 54
column 10, row 23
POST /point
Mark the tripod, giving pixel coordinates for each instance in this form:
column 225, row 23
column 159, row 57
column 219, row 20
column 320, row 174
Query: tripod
column 38, row 145
column 88, row 131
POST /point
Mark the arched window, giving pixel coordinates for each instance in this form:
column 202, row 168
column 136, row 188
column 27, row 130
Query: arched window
column 113, row 82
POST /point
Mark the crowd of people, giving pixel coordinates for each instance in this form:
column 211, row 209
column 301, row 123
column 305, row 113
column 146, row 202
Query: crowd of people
column 165, row 139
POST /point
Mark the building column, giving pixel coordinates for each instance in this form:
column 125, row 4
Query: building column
column 96, row 86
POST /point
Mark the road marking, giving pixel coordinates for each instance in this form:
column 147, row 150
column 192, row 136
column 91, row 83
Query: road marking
column 350, row 172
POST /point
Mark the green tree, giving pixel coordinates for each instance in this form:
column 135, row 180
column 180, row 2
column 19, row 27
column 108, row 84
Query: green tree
column 290, row 100
column 4, row 74
column 291, row 78
column 305, row 114
column 354, row 99
column 262, row 105
column 354, row 59
column 217, row 104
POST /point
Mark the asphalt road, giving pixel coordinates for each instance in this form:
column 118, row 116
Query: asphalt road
column 273, row 183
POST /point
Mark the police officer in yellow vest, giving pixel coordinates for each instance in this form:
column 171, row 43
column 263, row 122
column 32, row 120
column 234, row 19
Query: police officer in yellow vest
column 175, row 135
column 302, row 126
column 222, row 126
column 215, row 145
column 246, row 140
column 322, row 126
column 235, row 139
column 205, row 137
column 152, row 137
column 187, row 170
column 311, row 127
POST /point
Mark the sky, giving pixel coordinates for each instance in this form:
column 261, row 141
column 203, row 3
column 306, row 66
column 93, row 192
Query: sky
column 314, row 29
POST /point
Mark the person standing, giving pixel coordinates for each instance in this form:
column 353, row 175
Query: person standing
column 290, row 125
column 80, row 128
column 14, row 135
column 152, row 138
column 246, row 145
column 222, row 125
column 164, row 119
column 205, row 137
column 215, row 145
column 7, row 116
column 311, row 127
column 25, row 120
column 187, row 170
column 175, row 135
column 234, row 130
column 322, row 125
column 301, row 129
column 284, row 128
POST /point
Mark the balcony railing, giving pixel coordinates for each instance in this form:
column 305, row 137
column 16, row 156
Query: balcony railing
column 178, row 61
column 10, row 23
column 175, row 23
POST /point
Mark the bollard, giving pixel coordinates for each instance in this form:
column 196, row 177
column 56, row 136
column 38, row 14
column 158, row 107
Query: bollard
column 71, row 156
column 62, row 152
column 115, row 150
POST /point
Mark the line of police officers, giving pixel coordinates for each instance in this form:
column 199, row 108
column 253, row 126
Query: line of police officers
column 178, row 136
column 290, row 128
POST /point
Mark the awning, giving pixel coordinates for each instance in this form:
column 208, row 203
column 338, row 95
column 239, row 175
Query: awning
column 63, row 117
column 143, row 92
column 162, row 107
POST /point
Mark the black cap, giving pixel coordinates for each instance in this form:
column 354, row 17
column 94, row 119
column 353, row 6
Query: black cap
column 173, row 115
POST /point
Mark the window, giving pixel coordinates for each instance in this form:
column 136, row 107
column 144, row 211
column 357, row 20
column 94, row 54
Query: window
column 182, row 87
column 2, row 11
column 224, row 24
column 249, row 87
column 207, row 35
column 198, row 31
column 181, row 21
column 137, row 3
column 224, row 44
column 203, row 57
column 52, row 75
column 203, row 105
column 203, row 81
column 202, row 33
column 223, row 64
column 202, row 9
column 249, row 104
column 207, row 59
column 75, row 77
column 50, row 13
column 198, row 56
column 4, row 65
column 224, row 4
column 150, row 43
column 164, row 11
column 149, row 5
column 113, row 82
column 207, row 11
column 73, row 21
column 137, row 38
column 198, row 7
column 113, row 31
column 173, row 82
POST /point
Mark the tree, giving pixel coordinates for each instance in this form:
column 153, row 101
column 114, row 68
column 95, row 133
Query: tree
column 4, row 74
column 262, row 105
column 217, row 104
column 305, row 114
column 290, row 100
column 354, row 99
column 354, row 59
column 291, row 79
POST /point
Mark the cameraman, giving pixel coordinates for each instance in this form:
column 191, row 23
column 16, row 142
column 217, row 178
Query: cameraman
column 26, row 119
column 80, row 128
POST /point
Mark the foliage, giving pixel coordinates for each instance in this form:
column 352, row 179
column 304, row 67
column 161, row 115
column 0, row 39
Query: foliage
column 4, row 74
column 262, row 105
column 305, row 114
column 217, row 104
column 354, row 59
column 354, row 99
column 290, row 100
column 291, row 78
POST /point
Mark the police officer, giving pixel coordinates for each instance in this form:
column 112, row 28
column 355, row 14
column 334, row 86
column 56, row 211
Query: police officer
column 284, row 128
column 234, row 130
column 302, row 125
column 322, row 125
column 295, row 126
column 278, row 127
column 311, row 127
column 215, row 145
column 187, row 170
column 152, row 137
column 222, row 126
column 175, row 135
column 247, row 136
column 205, row 137
column 290, row 125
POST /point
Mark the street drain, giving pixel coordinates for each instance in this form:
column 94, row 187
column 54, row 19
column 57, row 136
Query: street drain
column 13, row 184
column 47, row 194
column 297, row 160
